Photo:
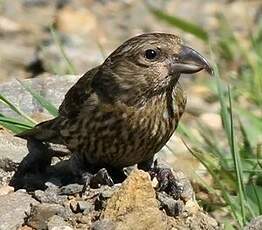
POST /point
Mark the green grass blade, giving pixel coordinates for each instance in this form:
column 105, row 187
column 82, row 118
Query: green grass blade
column 42, row 101
column 182, row 24
column 13, row 124
column 16, row 110
column 237, row 163
column 229, row 201
column 70, row 67
column 13, row 128
column 12, row 120
column 258, row 198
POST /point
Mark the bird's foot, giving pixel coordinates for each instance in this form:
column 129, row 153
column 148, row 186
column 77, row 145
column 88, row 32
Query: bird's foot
column 102, row 177
column 167, row 181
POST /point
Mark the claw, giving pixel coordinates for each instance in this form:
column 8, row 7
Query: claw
column 166, row 181
column 102, row 177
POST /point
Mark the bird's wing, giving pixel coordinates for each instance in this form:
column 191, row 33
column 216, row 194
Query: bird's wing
column 78, row 95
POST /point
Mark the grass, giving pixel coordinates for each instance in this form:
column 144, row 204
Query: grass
column 236, row 166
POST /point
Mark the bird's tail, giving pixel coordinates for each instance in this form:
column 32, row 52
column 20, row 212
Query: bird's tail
column 46, row 131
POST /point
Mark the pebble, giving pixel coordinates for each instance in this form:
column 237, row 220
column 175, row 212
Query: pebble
column 70, row 189
column 103, row 224
column 5, row 190
column 58, row 223
column 40, row 214
column 171, row 206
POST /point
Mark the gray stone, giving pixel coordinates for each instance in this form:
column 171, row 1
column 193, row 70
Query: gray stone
column 49, row 196
column 52, row 88
column 171, row 206
column 70, row 189
column 85, row 206
column 14, row 207
column 57, row 223
column 103, row 224
column 41, row 213
column 12, row 151
column 254, row 224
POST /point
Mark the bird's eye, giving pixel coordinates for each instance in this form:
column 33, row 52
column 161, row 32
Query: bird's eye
column 150, row 54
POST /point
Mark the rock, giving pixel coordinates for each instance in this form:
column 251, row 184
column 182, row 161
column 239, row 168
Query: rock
column 171, row 206
column 187, row 193
column 135, row 204
column 70, row 189
column 40, row 214
column 103, row 224
column 5, row 177
column 50, row 195
column 52, row 88
column 14, row 207
column 57, row 223
column 105, row 193
column 78, row 205
column 73, row 206
column 85, row 206
column 25, row 227
column 5, row 190
column 12, row 151
column 254, row 224
column 25, row 35
column 193, row 217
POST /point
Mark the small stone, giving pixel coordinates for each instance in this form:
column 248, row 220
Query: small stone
column 57, row 223
column 171, row 206
column 50, row 195
column 41, row 213
column 14, row 207
column 26, row 228
column 104, row 195
column 74, row 206
column 12, row 151
column 5, row 190
column 85, row 219
column 107, row 193
column 254, row 224
column 155, row 182
column 71, row 189
column 103, row 224
column 61, row 228
column 187, row 193
column 85, row 206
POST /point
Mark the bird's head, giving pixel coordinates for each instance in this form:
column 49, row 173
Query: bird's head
column 149, row 63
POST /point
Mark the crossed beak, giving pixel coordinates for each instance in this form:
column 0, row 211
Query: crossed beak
column 189, row 61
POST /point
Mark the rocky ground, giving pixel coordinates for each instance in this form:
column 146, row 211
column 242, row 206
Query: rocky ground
column 89, row 30
column 134, row 204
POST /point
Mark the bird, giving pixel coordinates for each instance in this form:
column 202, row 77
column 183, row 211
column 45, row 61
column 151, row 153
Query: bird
column 122, row 112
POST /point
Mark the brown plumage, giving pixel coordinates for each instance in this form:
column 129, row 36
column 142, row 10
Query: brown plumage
column 124, row 111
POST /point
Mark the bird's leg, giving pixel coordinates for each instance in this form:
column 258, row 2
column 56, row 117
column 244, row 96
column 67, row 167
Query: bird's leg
column 167, row 182
column 88, row 174
column 146, row 165
column 102, row 177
